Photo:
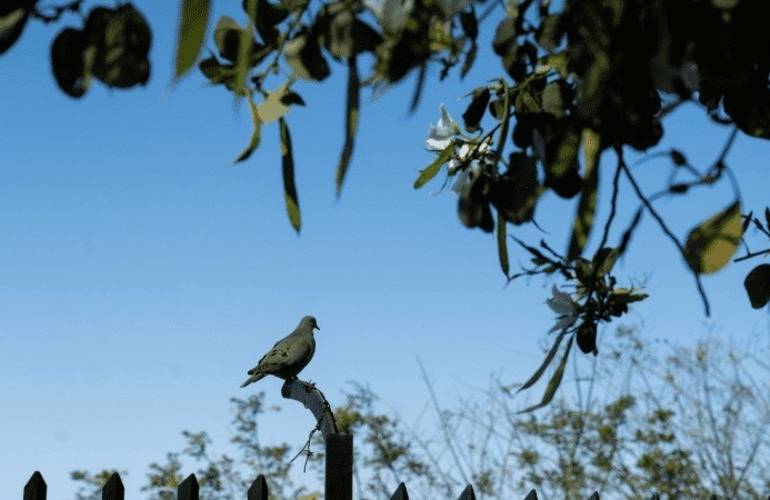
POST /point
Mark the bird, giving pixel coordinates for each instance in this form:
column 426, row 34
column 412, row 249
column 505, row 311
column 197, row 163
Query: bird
column 289, row 355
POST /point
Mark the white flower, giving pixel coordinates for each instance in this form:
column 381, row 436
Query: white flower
column 563, row 305
column 464, row 177
column 440, row 136
column 391, row 14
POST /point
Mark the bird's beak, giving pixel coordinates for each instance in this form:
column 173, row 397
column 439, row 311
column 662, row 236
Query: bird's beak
column 317, row 327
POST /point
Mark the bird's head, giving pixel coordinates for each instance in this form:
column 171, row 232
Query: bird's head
column 309, row 322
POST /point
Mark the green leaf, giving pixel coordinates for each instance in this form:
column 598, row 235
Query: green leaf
column 255, row 135
column 604, row 260
column 547, row 361
column 555, row 381
column 711, row 245
column 553, row 102
column 433, row 169
column 289, row 188
column 502, row 246
column 584, row 219
column 757, row 284
column 351, row 122
column 192, row 31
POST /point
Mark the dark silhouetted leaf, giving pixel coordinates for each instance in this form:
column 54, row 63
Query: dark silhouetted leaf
column 469, row 24
column 586, row 338
column 757, row 284
column 192, row 31
column 767, row 218
column 555, row 381
column 549, row 32
column 552, row 100
column 68, row 64
column 13, row 18
column 477, row 107
column 547, row 361
column 352, row 108
column 502, row 246
column 265, row 17
column 255, row 134
column 431, row 170
column 605, row 260
column 584, row 219
column 505, row 37
column 473, row 205
column 122, row 39
column 516, row 192
column 292, row 97
column 289, row 188
column 711, row 245
column 470, row 58
column 229, row 37
column 304, row 56
column 678, row 158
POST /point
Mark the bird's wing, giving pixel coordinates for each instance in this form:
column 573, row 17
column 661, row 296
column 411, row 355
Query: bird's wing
column 291, row 351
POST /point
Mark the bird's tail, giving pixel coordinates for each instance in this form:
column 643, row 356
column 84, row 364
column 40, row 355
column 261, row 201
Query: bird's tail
column 252, row 379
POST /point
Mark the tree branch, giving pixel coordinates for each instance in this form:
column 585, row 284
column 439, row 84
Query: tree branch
column 666, row 230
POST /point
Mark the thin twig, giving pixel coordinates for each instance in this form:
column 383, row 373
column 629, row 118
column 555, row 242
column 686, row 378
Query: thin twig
column 666, row 230
column 752, row 254
column 442, row 421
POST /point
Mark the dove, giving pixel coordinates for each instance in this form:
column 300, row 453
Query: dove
column 289, row 355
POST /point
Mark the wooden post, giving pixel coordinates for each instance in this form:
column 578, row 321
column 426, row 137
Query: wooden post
column 35, row 489
column 339, row 467
column 400, row 493
column 258, row 489
column 113, row 489
column 188, row 489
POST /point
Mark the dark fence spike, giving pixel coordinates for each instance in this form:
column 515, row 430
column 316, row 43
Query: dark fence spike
column 655, row 496
column 189, row 489
column 467, row 494
column 594, row 496
column 258, row 489
column 400, row 493
column 532, row 495
column 35, row 489
column 113, row 489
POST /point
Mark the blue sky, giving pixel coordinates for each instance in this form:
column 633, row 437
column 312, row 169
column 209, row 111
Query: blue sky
column 141, row 273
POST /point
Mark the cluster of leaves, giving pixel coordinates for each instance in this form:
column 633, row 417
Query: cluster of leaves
column 596, row 299
column 296, row 38
column 112, row 46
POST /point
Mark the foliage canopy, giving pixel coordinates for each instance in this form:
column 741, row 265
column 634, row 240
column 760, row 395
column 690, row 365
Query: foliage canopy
column 579, row 79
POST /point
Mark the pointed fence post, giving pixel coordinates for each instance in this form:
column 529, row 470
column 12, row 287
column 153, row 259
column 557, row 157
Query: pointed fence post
column 113, row 489
column 532, row 495
column 35, row 489
column 188, row 490
column 400, row 493
column 595, row 496
column 467, row 494
column 339, row 467
column 258, row 489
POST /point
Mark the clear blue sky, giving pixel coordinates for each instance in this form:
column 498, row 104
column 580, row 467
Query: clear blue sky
column 141, row 274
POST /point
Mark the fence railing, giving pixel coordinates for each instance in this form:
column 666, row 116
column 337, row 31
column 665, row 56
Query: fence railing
column 36, row 489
